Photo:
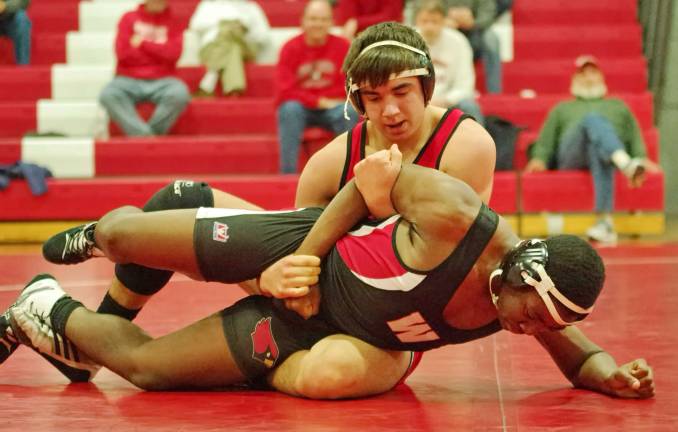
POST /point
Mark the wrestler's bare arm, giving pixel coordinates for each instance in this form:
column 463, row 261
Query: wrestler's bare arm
column 588, row 366
column 319, row 181
column 470, row 156
column 437, row 209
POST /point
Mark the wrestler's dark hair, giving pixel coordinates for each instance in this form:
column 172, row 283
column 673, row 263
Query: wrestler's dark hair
column 376, row 66
column 575, row 268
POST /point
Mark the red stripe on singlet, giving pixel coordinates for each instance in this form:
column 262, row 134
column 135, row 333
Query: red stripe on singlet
column 429, row 156
column 371, row 255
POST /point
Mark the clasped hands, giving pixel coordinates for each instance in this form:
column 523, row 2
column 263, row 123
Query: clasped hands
column 294, row 278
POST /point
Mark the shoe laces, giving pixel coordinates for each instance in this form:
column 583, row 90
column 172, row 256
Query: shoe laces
column 78, row 244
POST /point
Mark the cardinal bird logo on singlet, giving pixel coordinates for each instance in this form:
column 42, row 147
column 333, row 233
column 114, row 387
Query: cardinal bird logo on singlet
column 264, row 348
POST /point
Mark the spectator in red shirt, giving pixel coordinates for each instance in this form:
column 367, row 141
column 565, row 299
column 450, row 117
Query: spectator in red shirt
column 356, row 15
column 148, row 46
column 310, row 83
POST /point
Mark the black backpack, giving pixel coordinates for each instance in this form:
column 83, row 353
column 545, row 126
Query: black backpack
column 505, row 135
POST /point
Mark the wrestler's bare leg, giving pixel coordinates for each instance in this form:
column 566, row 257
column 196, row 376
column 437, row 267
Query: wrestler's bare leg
column 135, row 301
column 196, row 356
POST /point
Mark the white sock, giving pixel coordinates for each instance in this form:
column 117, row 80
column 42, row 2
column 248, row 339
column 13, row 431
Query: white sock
column 620, row 159
column 209, row 81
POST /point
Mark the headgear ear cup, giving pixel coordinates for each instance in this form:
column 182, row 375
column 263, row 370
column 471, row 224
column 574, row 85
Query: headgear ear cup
column 520, row 260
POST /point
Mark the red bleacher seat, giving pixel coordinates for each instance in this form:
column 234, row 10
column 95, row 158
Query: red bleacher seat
column 10, row 150
column 26, row 83
column 504, row 198
column 572, row 191
column 623, row 75
column 91, row 198
column 54, row 16
column 544, row 42
column 583, row 12
column 232, row 154
column 17, row 118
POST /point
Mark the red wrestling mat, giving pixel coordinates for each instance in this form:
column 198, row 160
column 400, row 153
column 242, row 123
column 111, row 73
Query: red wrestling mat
column 501, row 383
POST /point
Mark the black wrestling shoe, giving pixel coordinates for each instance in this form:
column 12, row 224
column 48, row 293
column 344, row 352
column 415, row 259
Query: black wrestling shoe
column 72, row 246
column 8, row 343
column 31, row 319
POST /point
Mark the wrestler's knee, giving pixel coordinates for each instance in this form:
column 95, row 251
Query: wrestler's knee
column 148, row 381
column 333, row 370
column 111, row 232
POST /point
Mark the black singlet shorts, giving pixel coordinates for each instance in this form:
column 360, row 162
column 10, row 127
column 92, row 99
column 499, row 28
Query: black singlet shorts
column 237, row 245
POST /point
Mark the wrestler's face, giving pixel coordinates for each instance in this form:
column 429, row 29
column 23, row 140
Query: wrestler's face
column 522, row 311
column 396, row 108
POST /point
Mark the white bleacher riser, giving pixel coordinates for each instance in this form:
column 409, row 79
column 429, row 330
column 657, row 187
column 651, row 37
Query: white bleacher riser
column 90, row 48
column 503, row 27
column 102, row 16
column 97, row 48
column 72, row 118
column 79, row 82
column 65, row 157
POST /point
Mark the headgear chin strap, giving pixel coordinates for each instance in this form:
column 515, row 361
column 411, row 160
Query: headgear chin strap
column 354, row 87
column 545, row 286
column 522, row 266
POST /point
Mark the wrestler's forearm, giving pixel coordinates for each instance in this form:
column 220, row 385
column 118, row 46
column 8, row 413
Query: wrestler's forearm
column 432, row 200
column 345, row 210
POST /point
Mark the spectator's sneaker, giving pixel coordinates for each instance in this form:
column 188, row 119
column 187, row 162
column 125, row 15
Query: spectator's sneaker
column 32, row 323
column 8, row 343
column 602, row 232
column 635, row 172
column 71, row 246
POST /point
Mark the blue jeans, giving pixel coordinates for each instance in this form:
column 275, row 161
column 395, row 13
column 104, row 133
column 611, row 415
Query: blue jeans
column 121, row 95
column 589, row 145
column 293, row 118
column 18, row 29
column 485, row 44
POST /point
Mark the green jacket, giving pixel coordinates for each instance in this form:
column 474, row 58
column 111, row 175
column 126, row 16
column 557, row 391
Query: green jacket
column 569, row 114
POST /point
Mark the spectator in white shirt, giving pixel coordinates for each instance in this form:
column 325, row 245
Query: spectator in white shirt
column 452, row 60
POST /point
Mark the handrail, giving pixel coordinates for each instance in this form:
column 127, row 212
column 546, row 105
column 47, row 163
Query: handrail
column 655, row 16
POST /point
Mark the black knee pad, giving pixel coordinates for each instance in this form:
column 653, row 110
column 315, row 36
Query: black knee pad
column 181, row 194
column 142, row 280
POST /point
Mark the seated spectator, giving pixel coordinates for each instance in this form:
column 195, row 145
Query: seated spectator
column 452, row 60
column 356, row 15
column 473, row 18
column 148, row 45
column 231, row 33
column 15, row 24
column 503, row 6
column 310, row 83
column 594, row 132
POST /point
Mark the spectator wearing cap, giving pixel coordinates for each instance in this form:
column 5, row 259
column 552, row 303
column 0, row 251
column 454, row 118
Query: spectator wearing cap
column 15, row 24
column 452, row 59
column 595, row 132
column 356, row 15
